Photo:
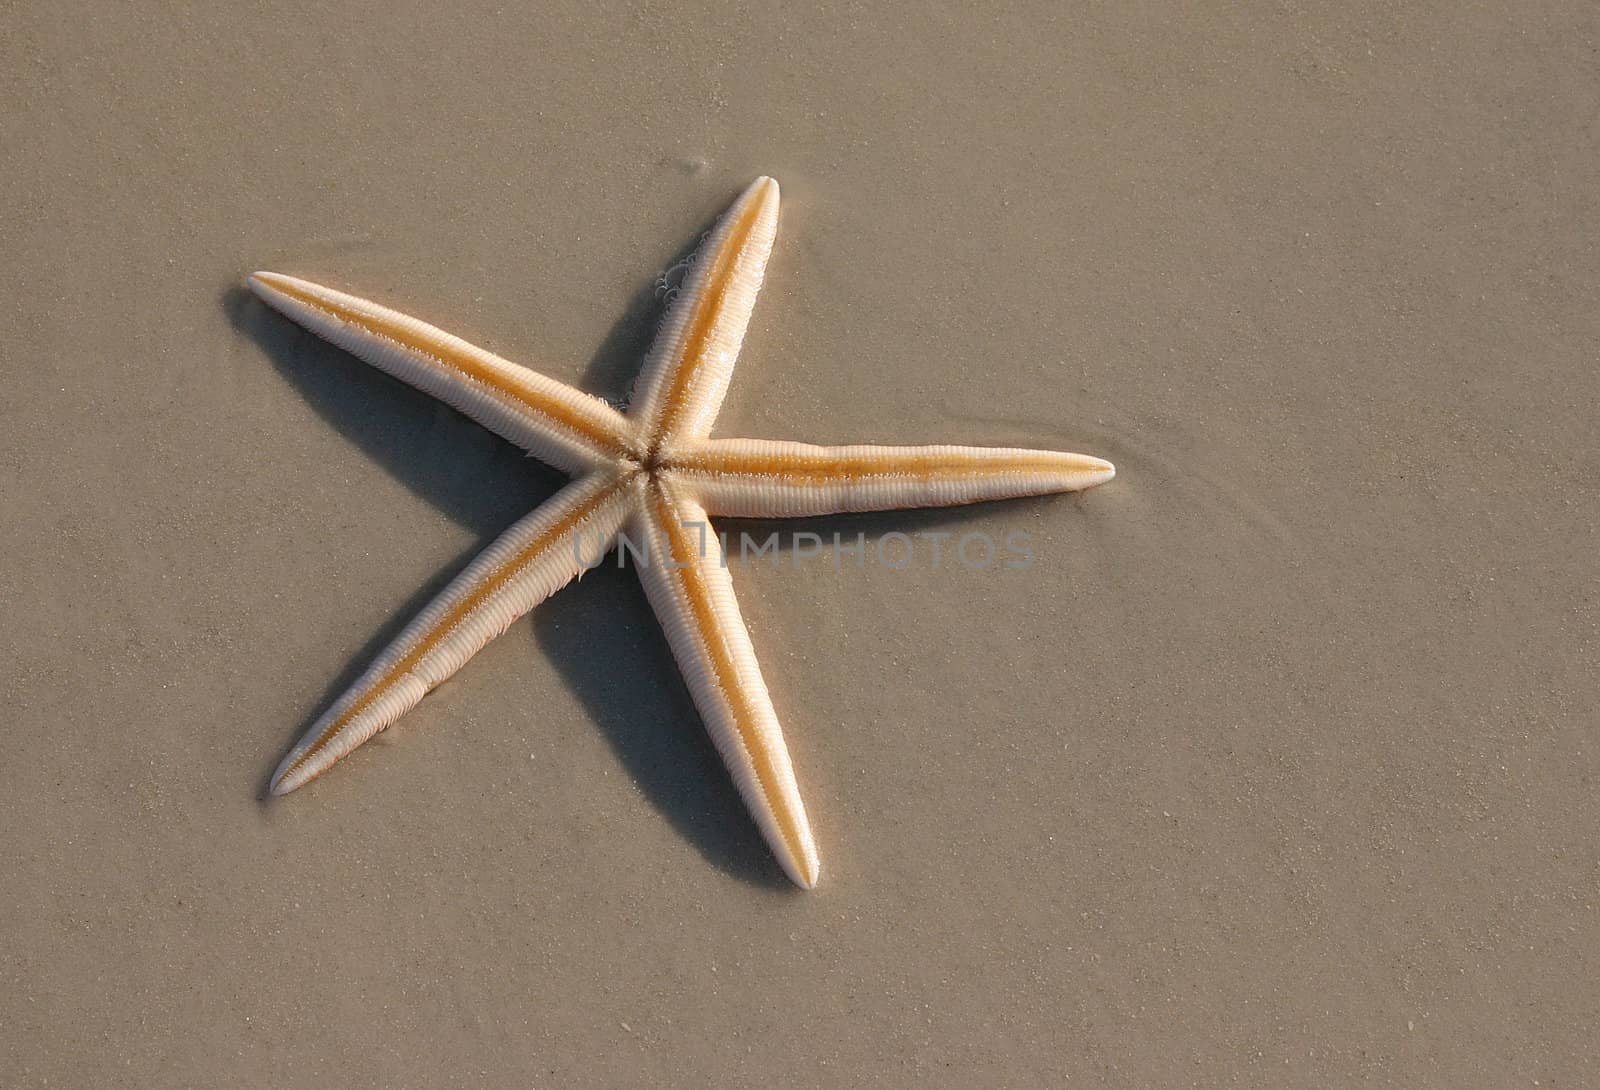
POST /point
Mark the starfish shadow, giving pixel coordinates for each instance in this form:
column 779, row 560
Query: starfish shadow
column 612, row 370
column 485, row 484
column 646, row 714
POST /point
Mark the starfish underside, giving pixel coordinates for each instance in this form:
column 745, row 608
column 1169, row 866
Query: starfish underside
column 653, row 474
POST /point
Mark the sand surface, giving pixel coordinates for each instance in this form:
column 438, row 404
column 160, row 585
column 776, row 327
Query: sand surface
column 1278, row 768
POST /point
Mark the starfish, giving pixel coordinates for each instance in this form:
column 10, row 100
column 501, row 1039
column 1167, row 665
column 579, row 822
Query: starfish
column 650, row 474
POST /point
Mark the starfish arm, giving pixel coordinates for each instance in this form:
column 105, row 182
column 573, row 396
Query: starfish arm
column 687, row 582
column 686, row 372
column 759, row 478
column 529, row 562
column 557, row 424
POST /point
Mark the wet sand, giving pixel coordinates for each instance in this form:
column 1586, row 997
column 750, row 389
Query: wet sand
column 1277, row 767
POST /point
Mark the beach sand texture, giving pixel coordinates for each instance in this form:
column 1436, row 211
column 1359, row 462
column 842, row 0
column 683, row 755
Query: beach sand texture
column 1277, row 767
